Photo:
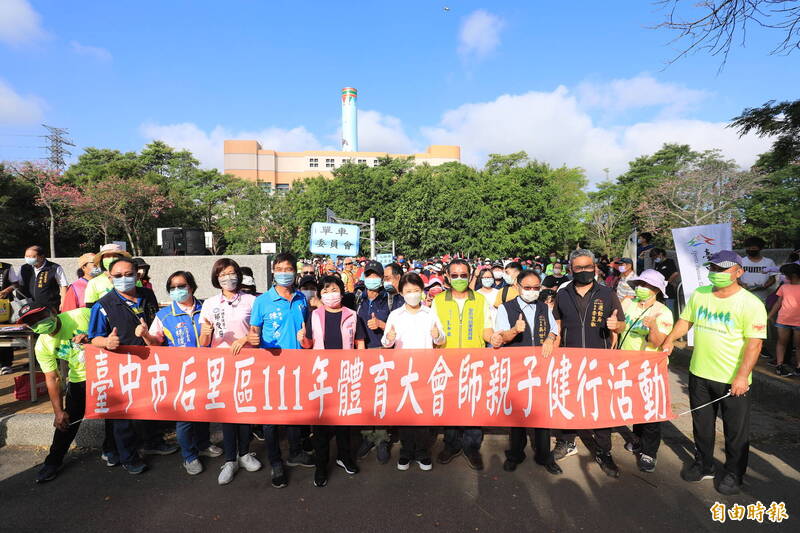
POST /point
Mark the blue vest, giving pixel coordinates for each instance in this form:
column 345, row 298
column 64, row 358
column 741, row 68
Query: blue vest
column 181, row 329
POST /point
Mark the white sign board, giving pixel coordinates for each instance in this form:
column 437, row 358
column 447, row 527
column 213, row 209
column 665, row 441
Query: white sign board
column 121, row 244
column 334, row 239
column 384, row 259
column 694, row 246
column 268, row 248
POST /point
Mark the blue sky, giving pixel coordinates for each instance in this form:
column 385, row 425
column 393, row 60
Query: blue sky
column 578, row 83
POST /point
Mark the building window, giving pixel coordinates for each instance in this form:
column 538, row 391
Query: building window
column 329, row 163
column 267, row 186
column 362, row 161
column 374, row 162
column 313, row 162
column 282, row 188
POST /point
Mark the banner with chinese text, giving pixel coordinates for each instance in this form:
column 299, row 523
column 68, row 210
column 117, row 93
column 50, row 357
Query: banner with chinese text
column 571, row 389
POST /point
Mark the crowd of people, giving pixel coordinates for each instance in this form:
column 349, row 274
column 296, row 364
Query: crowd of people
column 580, row 301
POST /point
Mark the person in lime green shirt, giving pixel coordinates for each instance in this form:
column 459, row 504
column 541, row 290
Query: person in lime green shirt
column 60, row 337
column 101, row 284
column 729, row 326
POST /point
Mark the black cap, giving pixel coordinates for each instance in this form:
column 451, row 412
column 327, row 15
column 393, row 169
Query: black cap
column 307, row 279
column 373, row 266
column 140, row 262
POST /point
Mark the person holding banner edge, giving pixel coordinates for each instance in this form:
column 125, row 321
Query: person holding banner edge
column 729, row 325
column 534, row 325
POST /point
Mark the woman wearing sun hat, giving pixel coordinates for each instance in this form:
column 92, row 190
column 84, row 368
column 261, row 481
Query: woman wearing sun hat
column 77, row 289
column 647, row 323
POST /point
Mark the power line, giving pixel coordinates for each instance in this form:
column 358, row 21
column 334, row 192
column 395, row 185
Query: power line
column 56, row 150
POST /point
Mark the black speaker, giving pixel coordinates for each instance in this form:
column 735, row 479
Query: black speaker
column 173, row 241
column 195, row 241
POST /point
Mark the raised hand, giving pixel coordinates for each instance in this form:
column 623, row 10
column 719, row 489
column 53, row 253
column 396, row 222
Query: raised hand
column 301, row 334
column 391, row 335
column 206, row 328
column 612, row 323
column 141, row 329
column 434, row 332
column 519, row 326
column 112, row 341
column 373, row 323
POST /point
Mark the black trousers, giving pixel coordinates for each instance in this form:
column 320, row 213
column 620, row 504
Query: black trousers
column 415, row 442
column 649, row 437
column 735, row 411
column 74, row 405
column 321, row 438
column 518, row 437
column 6, row 356
column 599, row 438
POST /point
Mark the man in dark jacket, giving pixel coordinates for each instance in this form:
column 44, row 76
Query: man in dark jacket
column 41, row 280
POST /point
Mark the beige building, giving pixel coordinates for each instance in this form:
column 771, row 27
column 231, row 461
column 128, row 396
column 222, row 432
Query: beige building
column 247, row 160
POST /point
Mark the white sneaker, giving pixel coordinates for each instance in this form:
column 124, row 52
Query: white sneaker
column 211, row 451
column 6, row 370
column 193, row 467
column 229, row 469
column 249, row 462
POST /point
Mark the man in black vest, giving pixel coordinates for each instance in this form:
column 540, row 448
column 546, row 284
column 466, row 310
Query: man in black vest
column 589, row 315
column 524, row 321
column 41, row 280
column 8, row 282
column 113, row 323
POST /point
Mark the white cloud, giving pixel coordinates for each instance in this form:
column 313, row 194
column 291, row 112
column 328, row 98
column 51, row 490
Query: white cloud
column 18, row 109
column 19, row 23
column 479, row 35
column 96, row 52
column 208, row 146
column 642, row 91
column 553, row 127
column 378, row 132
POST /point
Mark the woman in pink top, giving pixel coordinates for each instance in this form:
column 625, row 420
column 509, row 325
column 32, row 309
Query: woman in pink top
column 225, row 321
column 73, row 299
column 787, row 308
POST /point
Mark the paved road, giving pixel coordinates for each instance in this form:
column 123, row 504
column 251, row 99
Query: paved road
column 88, row 496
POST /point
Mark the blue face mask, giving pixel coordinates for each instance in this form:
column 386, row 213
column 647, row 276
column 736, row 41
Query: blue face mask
column 179, row 295
column 373, row 283
column 388, row 286
column 284, row 279
column 124, row 284
column 30, row 260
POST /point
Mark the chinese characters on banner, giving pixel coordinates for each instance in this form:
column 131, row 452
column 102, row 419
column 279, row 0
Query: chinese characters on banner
column 572, row 389
column 334, row 239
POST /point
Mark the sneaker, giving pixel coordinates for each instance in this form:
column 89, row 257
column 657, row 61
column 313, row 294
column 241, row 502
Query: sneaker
column 308, row 445
column 696, row 473
column 447, row 455
column 258, row 432
column 111, row 458
column 193, row 467
column 729, row 485
column 384, row 452
column 320, row 477
column 162, row 448
column 279, row 479
column 136, row 467
column 553, row 468
column 227, row 472
column 349, row 466
column 772, row 362
column 425, row 464
column 474, row 459
column 607, row 464
column 764, row 355
column 633, row 447
column 646, row 463
column 249, row 462
column 564, row 449
column 365, row 448
column 797, row 371
column 6, row 370
column 509, row 466
column 301, row 459
column 47, row 473
column 784, row 370
column 211, row 451
column 403, row 463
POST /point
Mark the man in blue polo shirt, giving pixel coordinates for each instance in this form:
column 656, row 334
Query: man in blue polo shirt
column 278, row 321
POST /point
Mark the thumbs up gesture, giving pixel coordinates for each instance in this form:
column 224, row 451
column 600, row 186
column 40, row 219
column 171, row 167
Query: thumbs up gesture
column 649, row 321
column 112, row 341
column 206, row 328
column 301, row 334
column 612, row 323
column 519, row 326
column 141, row 329
column 373, row 323
column 391, row 335
column 434, row 332
column 254, row 336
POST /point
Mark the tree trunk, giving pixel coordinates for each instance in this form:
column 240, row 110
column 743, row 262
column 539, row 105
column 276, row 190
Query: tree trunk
column 52, row 231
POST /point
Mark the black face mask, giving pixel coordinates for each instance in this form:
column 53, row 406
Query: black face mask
column 583, row 277
column 753, row 253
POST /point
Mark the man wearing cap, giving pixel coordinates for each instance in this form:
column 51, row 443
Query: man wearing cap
column 76, row 290
column 41, row 280
column 626, row 274
column 509, row 291
column 729, row 325
column 60, row 337
column 143, row 272
column 374, row 311
column 101, row 284
column 115, row 321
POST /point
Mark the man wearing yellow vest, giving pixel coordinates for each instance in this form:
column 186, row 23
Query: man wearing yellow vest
column 467, row 323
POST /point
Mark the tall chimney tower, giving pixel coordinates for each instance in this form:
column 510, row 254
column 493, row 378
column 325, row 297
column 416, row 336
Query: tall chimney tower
column 349, row 120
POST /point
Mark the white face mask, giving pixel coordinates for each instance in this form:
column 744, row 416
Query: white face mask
column 412, row 298
column 497, row 274
column 508, row 278
column 529, row 296
column 622, row 269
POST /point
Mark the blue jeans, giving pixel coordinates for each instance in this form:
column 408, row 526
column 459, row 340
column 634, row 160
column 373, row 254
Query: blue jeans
column 192, row 437
column 272, row 442
column 235, row 440
column 468, row 439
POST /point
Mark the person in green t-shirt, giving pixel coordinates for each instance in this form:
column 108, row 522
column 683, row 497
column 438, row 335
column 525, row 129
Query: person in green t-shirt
column 729, row 325
column 60, row 337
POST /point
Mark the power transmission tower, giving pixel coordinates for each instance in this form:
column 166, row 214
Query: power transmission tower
column 56, row 150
